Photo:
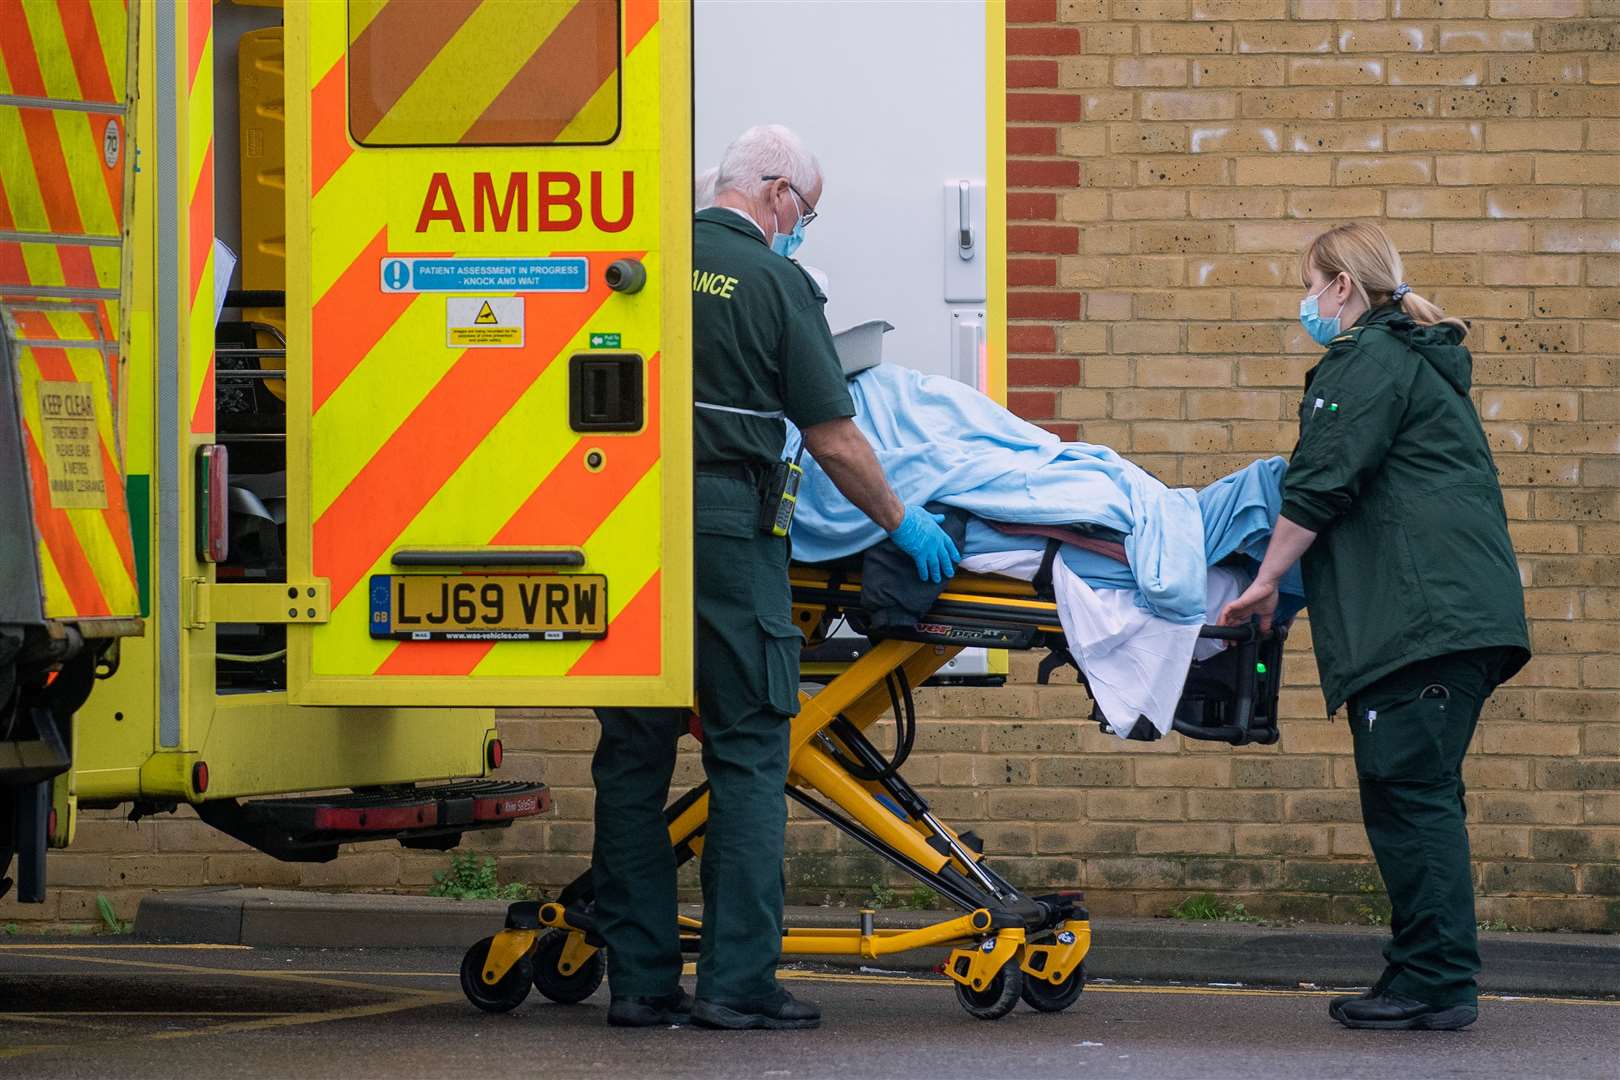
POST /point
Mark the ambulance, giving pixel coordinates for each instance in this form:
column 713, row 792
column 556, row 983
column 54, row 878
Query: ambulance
column 344, row 397
column 345, row 374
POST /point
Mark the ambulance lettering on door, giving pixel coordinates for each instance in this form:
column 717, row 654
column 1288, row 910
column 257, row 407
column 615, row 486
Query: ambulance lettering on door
column 483, row 322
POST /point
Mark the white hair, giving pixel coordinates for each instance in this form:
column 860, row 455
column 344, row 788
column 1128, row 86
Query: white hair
column 703, row 189
column 766, row 150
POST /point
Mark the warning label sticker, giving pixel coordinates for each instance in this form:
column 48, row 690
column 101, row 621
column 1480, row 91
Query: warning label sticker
column 71, row 445
column 483, row 322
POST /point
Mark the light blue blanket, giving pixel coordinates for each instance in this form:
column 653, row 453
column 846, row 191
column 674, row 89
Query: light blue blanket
column 1238, row 510
column 941, row 441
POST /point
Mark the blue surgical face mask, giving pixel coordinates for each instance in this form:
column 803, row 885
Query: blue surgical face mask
column 785, row 244
column 1322, row 329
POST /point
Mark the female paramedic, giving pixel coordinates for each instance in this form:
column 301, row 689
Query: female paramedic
column 1416, row 611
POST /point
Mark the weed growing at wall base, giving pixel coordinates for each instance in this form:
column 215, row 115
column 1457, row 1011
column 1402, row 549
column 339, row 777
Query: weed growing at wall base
column 109, row 918
column 473, row 878
column 1209, row 908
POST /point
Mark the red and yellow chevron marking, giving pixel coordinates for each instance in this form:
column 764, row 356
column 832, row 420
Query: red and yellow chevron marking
column 635, row 644
column 422, row 445
column 491, row 73
column 54, row 172
column 87, row 560
column 198, row 30
column 62, row 173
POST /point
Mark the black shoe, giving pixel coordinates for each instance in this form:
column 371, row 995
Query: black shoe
column 1336, row 1006
column 1389, row 1011
column 782, row 1012
column 661, row 1011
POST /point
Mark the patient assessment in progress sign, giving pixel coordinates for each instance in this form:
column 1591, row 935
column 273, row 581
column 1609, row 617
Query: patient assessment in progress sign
column 407, row 275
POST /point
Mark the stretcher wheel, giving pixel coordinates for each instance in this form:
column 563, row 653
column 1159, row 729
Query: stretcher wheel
column 505, row 995
column 997, row 998
column 570, row 989
column 1043, row 996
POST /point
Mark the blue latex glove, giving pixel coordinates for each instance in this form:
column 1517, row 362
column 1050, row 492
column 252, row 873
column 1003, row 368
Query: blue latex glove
column 920, row 536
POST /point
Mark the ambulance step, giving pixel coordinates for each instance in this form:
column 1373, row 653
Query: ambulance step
column 310, row 828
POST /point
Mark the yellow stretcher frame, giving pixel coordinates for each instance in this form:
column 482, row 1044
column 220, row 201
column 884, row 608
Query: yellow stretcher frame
column 1015, row 947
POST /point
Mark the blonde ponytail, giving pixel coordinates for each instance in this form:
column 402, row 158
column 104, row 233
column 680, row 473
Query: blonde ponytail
column 1362, row 251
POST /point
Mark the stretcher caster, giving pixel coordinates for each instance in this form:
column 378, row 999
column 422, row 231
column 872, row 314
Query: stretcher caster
column 568, row 987
column 998, row 996
column 1044, row 996
column 504, row 995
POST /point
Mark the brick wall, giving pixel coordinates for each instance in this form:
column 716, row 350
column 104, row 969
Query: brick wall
column 1169, row 158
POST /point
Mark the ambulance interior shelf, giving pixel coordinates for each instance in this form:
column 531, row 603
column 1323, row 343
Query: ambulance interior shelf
column 1230, row 697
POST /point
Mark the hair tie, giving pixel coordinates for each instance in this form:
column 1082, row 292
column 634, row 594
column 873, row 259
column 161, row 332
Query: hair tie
column 1401, row 290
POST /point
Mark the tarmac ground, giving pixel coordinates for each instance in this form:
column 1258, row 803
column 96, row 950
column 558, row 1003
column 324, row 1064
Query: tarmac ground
column 91, row 1008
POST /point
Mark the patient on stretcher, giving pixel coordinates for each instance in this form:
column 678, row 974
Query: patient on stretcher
column 1134, row 566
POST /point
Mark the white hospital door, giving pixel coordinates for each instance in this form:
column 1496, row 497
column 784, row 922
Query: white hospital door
column 891, row 98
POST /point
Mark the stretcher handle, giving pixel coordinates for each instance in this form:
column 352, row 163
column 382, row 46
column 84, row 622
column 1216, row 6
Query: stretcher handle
column 1240, row 634
column 564, row 557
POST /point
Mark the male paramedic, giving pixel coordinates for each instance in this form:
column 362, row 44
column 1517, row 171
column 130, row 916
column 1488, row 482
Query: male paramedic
column 762, row 353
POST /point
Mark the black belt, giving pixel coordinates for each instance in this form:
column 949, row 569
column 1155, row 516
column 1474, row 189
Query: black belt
column 746, row 471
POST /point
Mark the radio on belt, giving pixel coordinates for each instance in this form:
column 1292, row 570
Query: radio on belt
column 781, row 496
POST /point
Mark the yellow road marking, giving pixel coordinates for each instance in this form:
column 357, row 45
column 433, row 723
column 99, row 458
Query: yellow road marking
column 123, row 1014
column 321, row 977
column 35, row 1018
column 349, row 1012
column 373, row 974
column 942, row 981
column 93, row 945
column 26, row 1049
column 243, row 973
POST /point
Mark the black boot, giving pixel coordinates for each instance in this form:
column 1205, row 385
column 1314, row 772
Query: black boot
column 661, row 1011
column 1390, row 1011
column 1336, row 1006
column 783, row 1012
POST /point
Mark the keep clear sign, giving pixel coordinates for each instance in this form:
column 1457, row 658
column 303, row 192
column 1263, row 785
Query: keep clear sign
column 71, row 445
column 483, row 322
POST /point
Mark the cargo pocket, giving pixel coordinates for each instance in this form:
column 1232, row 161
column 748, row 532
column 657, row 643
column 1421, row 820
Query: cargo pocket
column 1401, row 738
column 773, row 605
column 782, row 644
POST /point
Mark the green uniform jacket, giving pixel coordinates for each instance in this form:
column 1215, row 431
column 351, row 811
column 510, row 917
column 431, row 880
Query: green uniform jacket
column 761, row 349
column 1392, row 469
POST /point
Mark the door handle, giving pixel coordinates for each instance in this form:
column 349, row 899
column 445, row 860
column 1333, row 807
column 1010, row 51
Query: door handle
column 964, row 221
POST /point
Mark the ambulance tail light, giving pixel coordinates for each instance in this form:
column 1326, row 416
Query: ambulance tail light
column 497, row 754
column 213, row 503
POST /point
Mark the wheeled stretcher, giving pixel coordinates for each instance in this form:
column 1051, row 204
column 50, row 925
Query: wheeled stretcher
column 1007, row 945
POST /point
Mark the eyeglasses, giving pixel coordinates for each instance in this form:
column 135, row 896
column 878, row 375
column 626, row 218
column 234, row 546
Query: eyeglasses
column 810, row 212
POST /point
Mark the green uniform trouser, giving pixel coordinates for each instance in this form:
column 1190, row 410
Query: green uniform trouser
column 1411, row 730
column 748, row 683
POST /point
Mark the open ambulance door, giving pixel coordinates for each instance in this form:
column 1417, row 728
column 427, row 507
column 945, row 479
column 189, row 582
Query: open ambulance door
column 489, row 402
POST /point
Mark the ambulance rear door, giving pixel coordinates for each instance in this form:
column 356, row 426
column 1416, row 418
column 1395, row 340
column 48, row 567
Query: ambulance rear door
column 489, row 443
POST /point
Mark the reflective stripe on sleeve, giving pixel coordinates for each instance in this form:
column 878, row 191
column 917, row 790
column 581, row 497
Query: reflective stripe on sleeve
column 778, row 415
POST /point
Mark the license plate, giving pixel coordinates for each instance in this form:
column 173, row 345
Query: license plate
column 494, row 607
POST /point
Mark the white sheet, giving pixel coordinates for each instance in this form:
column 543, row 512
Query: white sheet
column 1135, row 662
